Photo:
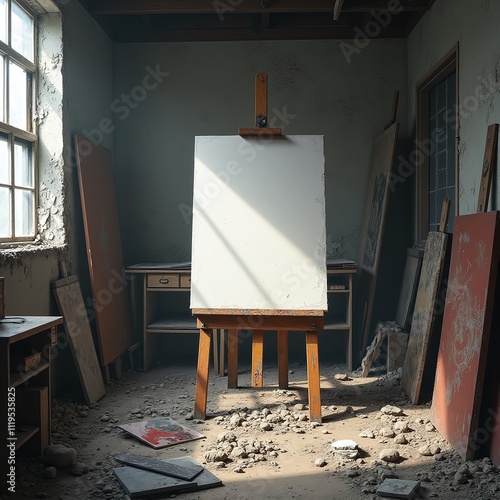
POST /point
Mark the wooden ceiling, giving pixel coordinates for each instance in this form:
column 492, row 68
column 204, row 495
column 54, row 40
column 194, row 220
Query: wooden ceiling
column 227, row 20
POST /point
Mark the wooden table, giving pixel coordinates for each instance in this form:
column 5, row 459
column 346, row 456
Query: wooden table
column 159, row 282
column 25, row 355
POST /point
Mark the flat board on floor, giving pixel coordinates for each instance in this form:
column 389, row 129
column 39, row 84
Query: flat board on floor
column 398, row 488
column 424, row 315
column 161, row 432
column 76, row 324
column 159, row 466
column 259, row 224
column 104, row 249
column 463, row 350
column 139, row 483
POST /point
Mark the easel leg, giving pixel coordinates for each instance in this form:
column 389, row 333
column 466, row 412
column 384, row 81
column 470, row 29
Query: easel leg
column 222, row 353
column 313, row 376
column 232, row 359
column 257, row 358
column 215, row 341
column 200, row 404
column 282, row 359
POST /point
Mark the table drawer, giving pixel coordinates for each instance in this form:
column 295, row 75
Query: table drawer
column 163, row 281
column 185, row 281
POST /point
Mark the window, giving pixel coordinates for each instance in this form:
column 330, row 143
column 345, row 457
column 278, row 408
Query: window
column 437, row 176
column 442, row 128
column 18, row 140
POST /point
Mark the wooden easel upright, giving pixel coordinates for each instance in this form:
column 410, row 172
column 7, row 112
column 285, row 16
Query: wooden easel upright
column 261, row 127
column 258, row 321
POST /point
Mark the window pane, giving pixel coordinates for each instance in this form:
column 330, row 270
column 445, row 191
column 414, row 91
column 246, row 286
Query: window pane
column 3, row 21
column 4, row 161
column 18, row 89
column 24, row 216
column 23, row 170
column 2, row 78
column 21, row 31
column 5, row 231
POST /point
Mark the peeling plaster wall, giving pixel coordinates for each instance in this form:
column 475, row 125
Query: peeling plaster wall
column 209, row 90
column 75, row 92
column 475, row 26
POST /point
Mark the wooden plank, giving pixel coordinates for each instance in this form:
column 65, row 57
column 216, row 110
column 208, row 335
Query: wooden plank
column 215, row 342
column 313, row 376
column 259, row 132
column 445, row 213
column 104, row 249
column 200, row 404
column 128, row 7
column 489, row 162
column 261, row 100
column 222, row 352
column 425, row 323
column 337, row 9
column 232, row 358
column 159, row 466
column 468, row 314
column 394, row 111
column 258, row 313
column 282, row 359
column 372, row 227
column 70, row 302
column 373, row 352
column 409, row 285
column 257, row 358
column 118, row 367
column 242, row 322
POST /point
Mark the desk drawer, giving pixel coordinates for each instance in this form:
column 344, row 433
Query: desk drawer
column 163, row 281
column 185, row 281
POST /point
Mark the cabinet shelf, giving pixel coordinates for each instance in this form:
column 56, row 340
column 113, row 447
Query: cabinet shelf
column 18, row 378
column 25, row 433
column 336, row 325
column 173, row 323
column 27, row 392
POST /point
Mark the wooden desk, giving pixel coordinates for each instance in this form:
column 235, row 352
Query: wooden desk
column 25, row 394
column 159, row 281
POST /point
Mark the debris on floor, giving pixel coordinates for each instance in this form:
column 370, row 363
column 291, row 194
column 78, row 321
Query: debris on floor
column 293, row 458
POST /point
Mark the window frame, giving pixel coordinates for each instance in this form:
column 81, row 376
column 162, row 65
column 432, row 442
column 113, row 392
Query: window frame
column 441, row 70
column 15, row 134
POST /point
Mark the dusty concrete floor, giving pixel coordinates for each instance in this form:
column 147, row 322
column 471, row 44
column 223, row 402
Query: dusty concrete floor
column 349, row 407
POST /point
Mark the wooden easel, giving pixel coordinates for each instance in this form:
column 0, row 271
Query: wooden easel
column 281, row 321
column 275, row 320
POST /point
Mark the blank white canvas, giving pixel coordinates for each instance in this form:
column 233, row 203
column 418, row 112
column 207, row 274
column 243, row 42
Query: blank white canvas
column 259, row 232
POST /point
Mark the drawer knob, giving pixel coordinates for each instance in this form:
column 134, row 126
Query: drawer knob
column 163, row 281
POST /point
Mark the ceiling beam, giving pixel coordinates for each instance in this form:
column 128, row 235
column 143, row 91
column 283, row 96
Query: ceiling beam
column 124, row 7
column 203, row 35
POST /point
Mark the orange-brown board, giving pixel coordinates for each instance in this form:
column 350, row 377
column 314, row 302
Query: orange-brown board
column 104, row 250
column 463, row 350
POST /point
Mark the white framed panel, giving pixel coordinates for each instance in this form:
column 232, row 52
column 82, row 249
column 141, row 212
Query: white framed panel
column 259, row 232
